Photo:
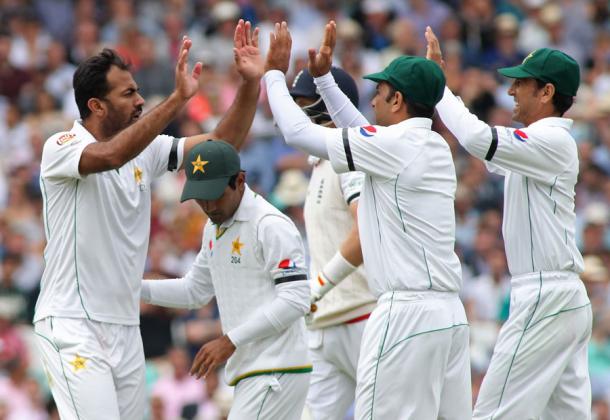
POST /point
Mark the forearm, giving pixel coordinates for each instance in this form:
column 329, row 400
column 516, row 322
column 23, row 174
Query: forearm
column 130, row 142
column 350, row 248
column 473, row 134
column 236, row 123
column 172, row 293
column 341, row 109
column 290, row 304
column 296, row 127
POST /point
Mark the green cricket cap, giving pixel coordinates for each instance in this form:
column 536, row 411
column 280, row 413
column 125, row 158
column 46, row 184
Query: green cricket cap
column 208, row 168
column 550, row 66
column 418, row 79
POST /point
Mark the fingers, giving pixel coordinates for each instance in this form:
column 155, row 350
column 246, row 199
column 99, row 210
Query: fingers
column 248, row 32
column 330, row 35
column 184, row 50
column 238, row 35
column 311, row 53
column 197, row 70
column 255, row 37
column 198, row 361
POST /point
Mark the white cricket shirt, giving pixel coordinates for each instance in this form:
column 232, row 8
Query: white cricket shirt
column 328, row 220
column 405, row 214
column 97, row 229
column 540, row 166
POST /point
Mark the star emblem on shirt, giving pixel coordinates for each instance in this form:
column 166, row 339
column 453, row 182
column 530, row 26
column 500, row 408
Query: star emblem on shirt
column 78, row 363
column 236, row 246
column 137, row 174
column 198, row 164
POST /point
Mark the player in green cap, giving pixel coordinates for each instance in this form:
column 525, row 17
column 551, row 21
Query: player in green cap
column 252, row 260
column 414, row 359
column 539, row 367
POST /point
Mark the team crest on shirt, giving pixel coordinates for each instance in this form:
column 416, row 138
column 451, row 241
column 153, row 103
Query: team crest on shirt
column 78, row 363
column 137, row 175
column 368, row 131
column 64, row 138
column 520, row 135
column 236, row 247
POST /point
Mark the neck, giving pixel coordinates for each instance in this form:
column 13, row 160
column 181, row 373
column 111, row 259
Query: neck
column 96, row 130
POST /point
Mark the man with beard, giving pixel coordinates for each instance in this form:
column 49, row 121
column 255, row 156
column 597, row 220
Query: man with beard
column 96, row 185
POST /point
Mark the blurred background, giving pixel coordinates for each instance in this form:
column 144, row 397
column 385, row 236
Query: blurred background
column 42, row 41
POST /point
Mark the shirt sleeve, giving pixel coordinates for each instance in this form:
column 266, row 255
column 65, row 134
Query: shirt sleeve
column 61, row 156
column 296, row 127
column 192, row 291
column 369, row 149
column 340, row 108
column 284, row 260
column 166, row 154
column 526, row 151
column 351, row 185
column 283, row 252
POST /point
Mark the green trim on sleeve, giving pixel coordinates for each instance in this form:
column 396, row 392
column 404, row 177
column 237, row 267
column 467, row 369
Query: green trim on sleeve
column 296, row 369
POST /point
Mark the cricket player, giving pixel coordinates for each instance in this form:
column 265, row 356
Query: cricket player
column 414, row 360
column 341, row 300
column 96, row 186
column 252, row 260
column 539, row 367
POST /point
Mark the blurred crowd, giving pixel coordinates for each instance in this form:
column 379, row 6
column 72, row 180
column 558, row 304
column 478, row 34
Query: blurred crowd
column 42, row 42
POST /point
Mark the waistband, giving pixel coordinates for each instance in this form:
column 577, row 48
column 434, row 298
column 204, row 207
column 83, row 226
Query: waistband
column 413, row 295
column 534, row 277
column 358, row 319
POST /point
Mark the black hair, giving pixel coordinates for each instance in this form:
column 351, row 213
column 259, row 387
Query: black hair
column 414, row 109
column 233, row 179
column 561, row 102
column 90, row 78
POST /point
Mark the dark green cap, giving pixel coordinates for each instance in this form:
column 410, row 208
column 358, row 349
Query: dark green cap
column 208, row 168
column 550, row 66
column 418, row 79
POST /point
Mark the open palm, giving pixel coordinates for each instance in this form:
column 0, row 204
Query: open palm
column 248, row 59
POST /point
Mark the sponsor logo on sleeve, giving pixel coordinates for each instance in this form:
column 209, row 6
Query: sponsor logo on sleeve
column 368, row 131
column 520, row 135
column 64, row 138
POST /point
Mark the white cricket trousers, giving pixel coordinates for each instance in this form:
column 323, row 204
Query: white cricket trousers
column 95, row 369
column 334, row 353
column 415, row 361
column 539, row 368
column 278, row 396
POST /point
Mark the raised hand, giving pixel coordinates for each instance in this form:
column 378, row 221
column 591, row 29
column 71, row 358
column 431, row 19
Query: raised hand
column 248, row 59
column 278, row 57
column 320, row 62
column 433, row 50
column 187, row 83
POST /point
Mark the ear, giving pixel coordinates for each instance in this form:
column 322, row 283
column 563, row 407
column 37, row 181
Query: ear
column 97, row 107
column 241, row 180
column 548, row 91
column 398, row 101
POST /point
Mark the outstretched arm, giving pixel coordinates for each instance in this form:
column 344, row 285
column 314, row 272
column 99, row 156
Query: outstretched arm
column 130, row 142
column 236, row 123
column 297, row 128
column 340, row 108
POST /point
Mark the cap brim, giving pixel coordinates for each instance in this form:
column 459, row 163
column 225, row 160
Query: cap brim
column 376, row 77
column 208, row 189
column 516, row 72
